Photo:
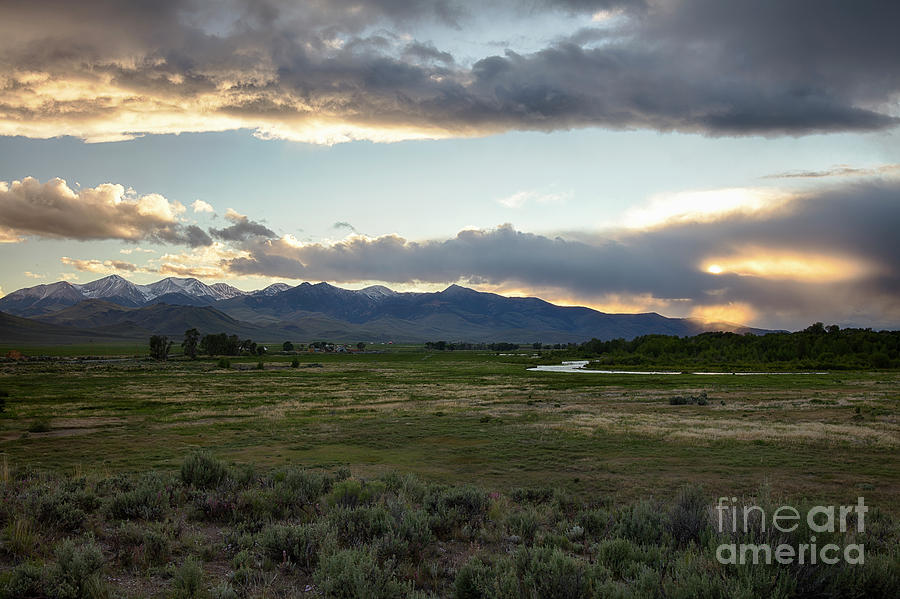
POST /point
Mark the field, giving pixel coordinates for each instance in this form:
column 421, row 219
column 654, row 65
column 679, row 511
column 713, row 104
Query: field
column 465, row 418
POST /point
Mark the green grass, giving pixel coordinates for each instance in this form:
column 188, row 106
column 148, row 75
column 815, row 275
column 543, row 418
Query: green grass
column 129, row 349
column 465, row 417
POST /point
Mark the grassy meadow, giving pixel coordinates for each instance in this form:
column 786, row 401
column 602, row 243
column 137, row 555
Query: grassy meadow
column 586, row 441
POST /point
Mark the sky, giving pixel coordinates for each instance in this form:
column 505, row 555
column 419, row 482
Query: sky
column 732, row 161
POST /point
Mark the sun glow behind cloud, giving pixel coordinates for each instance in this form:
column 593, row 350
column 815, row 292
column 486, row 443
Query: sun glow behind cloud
column 703, row 206
column 769, row 264
column 733, row 312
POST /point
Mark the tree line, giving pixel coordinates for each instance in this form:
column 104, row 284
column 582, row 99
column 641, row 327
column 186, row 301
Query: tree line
column 219, row 344
column 222, row 344
column 817, row 346
column 459, row 345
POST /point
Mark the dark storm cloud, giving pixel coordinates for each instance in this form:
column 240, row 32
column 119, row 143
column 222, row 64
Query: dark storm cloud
column 420, row 51
column 856, row 224
column 329, row 71
column 190, row 235
column 242, row 229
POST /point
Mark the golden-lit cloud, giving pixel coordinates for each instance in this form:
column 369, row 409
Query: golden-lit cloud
column 9, row 236
column 786, row 264
column 704, row 206
column 203, row 262
column 106, row 267
column 732, row 312
column 343, row 70
column 107, row 211
column 768, row 262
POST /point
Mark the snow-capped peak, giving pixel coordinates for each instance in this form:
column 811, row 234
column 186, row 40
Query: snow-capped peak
column 272, row 289
column 377, row 292
column 112, row 286
column 191, row 287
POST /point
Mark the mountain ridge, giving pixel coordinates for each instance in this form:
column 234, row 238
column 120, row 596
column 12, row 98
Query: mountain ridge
column 322, row 309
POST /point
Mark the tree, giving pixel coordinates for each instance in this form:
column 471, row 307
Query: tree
column 288, row 346
column 220, row 345
column 248, row 346
column 191, row 343
column 159, row 347
column 361, row 345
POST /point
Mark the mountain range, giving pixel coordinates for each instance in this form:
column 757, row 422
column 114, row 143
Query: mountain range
column 113, row 308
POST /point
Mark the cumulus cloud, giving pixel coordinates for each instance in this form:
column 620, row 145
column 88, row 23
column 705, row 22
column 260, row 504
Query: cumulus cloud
column 327, row 72
column 108, row 211
column 833, row 253
column 201, row 206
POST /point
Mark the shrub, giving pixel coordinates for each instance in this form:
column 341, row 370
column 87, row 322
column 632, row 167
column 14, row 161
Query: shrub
column 297, row 545
column 410, row 537
column 255, row 507
column 701, row 399
column 351, row 493
column 354, row 526
column 203, row 471
column 355, row 573
column 149, row 500
column 77, row 572
column 246, row 570
column 295, row 363
column 405, row 485
column 477, row 579
column 260, row 365
column 224, row 363
column 188, row 580
column 25, row 580
column 523, row 524
column 305, row 486
column 216, row 506
column 149, row 544
column 223, row 591
column 39, row 425
column 689, row 515
column 641, row 522
column 531, row 495
column 615, row 555
column 415, row 530
column 65, row 507
column 594, row 522
column 551, row 574
column 457, row 507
